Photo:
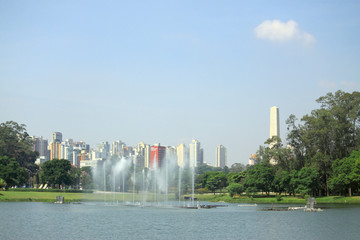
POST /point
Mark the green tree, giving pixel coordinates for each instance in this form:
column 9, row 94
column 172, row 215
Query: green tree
column 215, row 180
column 281, row 182
column 16, row 143
column 235, row 188
column 2, row 184
column 329, row 133
column 237, row 167
column 260, row 176
column 75, row 176
column 326, row 134
column 307, row 181
column 12, row 173
column 86, row 178
column 56, row 171
column 236, row 177
column 346, row 173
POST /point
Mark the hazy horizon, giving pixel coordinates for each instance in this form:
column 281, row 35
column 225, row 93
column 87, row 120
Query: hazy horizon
column 169, row 72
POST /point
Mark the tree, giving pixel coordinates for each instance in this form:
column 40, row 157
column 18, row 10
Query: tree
column 2, row 184
column 214, row 181
column 16, row 143
column 236, row 177
column 260, row 176
column 281, row 182
column 86, row 178
column 235, row 188
column 237, row 167
column 346, row 173
column 56, row 171
column 307, row 180
column 12, row 173
column 329, row 133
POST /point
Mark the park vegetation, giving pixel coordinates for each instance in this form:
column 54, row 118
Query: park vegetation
column 321, row 158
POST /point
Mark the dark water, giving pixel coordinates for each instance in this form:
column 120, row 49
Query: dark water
column 97, row 221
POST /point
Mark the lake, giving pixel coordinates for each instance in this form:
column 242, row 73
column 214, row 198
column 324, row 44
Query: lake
column 32, row 220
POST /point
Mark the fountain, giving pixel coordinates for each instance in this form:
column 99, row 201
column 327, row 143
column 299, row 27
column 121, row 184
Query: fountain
column 156, row 186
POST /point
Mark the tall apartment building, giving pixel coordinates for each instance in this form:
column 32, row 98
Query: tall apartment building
column 103, row 150
column 143, row 155
column 41, row 146
column 221, row 156
column 157, row 156
column 182, row 153
column 196, row 154
column 67, row 150
column 56, row 137
column 117, row 146
column 55, row 145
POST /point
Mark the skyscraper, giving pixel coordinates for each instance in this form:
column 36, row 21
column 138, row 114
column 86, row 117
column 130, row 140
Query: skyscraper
column 195, row 155
column 41, row 145
column 274, row 122
column 55, row 146
column 56, row 137
column 157, row 156
column 221, row 156
column 182, row 155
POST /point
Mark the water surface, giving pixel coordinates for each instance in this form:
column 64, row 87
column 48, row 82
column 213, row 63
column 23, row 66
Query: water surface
column 27, row 220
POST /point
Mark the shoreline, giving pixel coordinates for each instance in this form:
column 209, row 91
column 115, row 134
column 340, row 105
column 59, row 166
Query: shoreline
column 24, row 196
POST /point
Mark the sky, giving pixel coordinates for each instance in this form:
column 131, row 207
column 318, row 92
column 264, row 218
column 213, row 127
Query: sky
column 171, row 71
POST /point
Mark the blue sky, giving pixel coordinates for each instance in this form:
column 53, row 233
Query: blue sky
column 170, row 71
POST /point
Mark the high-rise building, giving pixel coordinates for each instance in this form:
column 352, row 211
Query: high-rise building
column 56, row 137
column 221, row 156
column 182, row 155
column 41, row 146
column 195, row 154
column 143, row 155
column 117, row 146
column 55, row 146
column 55, row 150
column 67, row 150
column 103, row 149
column 274, row 122
column 157, row 156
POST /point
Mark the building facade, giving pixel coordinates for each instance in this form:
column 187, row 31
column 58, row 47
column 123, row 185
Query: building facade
column 157, row 156
column 221, row 156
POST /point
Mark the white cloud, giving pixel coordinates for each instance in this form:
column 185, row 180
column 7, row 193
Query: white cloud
column 278, row 31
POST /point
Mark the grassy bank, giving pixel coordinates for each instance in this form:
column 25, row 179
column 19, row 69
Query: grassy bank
column 30, row 196
column 13, row 196
column 272, row 199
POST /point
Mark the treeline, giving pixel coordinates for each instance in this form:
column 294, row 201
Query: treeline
column 18, row 168
column 322, row 156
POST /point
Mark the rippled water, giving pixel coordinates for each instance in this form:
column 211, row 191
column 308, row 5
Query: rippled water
column 98, row 221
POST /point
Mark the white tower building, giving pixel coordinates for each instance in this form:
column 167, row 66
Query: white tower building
column 274, row 122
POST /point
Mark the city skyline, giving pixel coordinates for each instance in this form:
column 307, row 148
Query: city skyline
column 169, row 72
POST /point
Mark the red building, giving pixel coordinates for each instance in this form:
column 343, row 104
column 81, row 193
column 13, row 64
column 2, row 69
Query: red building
column 157, row 155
